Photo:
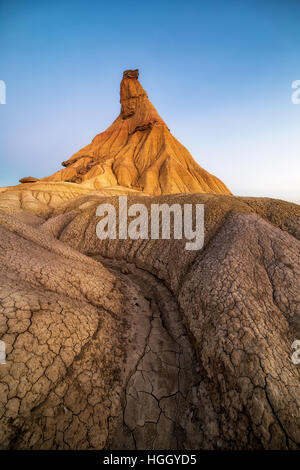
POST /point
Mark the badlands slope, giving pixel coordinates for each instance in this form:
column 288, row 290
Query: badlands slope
column 124, row 344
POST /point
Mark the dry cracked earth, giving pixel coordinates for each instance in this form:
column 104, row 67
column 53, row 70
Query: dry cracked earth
column 122, row 344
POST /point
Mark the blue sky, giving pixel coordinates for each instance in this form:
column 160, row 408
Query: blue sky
column 219, row 73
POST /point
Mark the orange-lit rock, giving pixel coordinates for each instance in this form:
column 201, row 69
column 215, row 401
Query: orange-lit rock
column 139, row 152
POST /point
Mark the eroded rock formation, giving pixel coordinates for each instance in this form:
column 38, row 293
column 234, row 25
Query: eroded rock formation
column 139, row 152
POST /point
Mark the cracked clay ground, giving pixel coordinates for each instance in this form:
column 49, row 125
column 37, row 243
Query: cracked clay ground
column 122, row 344
column 158, row 403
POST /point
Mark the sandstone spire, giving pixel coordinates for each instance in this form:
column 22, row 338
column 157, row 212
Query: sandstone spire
column 138, row 151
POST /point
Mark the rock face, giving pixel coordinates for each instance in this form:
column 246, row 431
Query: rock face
column 124, row 344
column 138, row 151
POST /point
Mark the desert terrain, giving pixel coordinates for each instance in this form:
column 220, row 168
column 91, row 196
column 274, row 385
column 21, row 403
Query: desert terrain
column 142, row 344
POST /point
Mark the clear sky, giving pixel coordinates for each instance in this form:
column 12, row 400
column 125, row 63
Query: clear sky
column 218, row 72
